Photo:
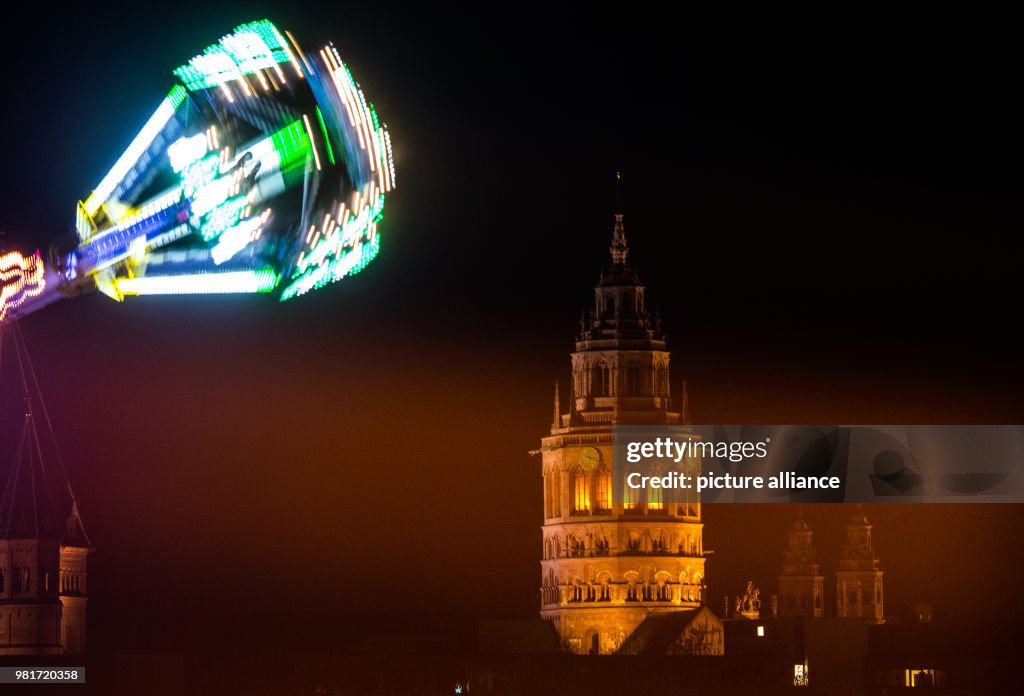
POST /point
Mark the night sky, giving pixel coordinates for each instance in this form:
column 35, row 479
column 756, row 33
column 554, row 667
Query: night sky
column 826, row 211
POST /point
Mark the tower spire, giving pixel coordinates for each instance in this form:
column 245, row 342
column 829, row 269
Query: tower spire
column 619, row 248
column 555, row 421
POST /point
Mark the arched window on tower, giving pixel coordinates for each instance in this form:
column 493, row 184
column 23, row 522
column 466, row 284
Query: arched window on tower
column 661, row 385
column 609, row 306
column 632, row 589
column 655, row 500
column 581, row 492
column 556, row 493
column 630, row 496
column 600, row 380
column 626, row 306
column 634, row 380
column 664, row 591
column 604, row 489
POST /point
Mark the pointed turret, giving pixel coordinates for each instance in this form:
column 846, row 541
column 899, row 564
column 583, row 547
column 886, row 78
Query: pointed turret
column 619, row 248
column 75, row 534
column 556, row 420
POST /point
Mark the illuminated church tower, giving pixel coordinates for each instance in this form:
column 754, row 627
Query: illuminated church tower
column 42, row 556
column 607, row 567
column 859, row 578
column 801, row 584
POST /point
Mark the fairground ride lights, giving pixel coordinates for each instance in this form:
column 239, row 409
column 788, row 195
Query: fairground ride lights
column 255, row 124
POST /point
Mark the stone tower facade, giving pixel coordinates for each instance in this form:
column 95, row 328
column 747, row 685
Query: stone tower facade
column 42, row 559
column 801, row 583
column 607, row 566
column 859, row 587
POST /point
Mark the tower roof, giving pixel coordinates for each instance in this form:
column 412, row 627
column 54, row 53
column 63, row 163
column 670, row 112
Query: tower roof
column 859, row 519
column 800, row 524
column 619, row 274
column 27, row 510
column 619, row 248
column 620, row 307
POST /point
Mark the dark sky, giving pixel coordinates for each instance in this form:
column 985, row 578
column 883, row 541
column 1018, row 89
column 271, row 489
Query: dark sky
column 826, row 210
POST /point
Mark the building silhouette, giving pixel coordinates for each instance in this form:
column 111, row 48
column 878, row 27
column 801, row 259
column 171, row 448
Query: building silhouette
column 859, row 587
column 611, row 569
column 43, row 553
column 801, row 583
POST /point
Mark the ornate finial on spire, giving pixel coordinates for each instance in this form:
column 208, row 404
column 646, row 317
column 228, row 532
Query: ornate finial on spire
column 684, row 410
column 619, row 247
column 558, row 416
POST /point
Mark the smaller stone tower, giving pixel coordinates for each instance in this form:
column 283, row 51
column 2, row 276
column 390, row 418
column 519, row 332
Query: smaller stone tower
column 801, row 583
column 859, row 591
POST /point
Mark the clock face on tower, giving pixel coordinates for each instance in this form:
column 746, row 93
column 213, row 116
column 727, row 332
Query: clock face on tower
column 589, row 458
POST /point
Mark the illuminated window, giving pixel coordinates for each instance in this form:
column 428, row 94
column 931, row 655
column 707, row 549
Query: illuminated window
column 655, row 499
column 760, row 631
column 800, row 675
column 630, row 496
column 581, row 492
column 604, row 490
column 923, row 678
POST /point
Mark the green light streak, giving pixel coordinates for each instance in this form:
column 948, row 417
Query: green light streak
column 177, row 96
column 323, row 127
column 294, row 150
